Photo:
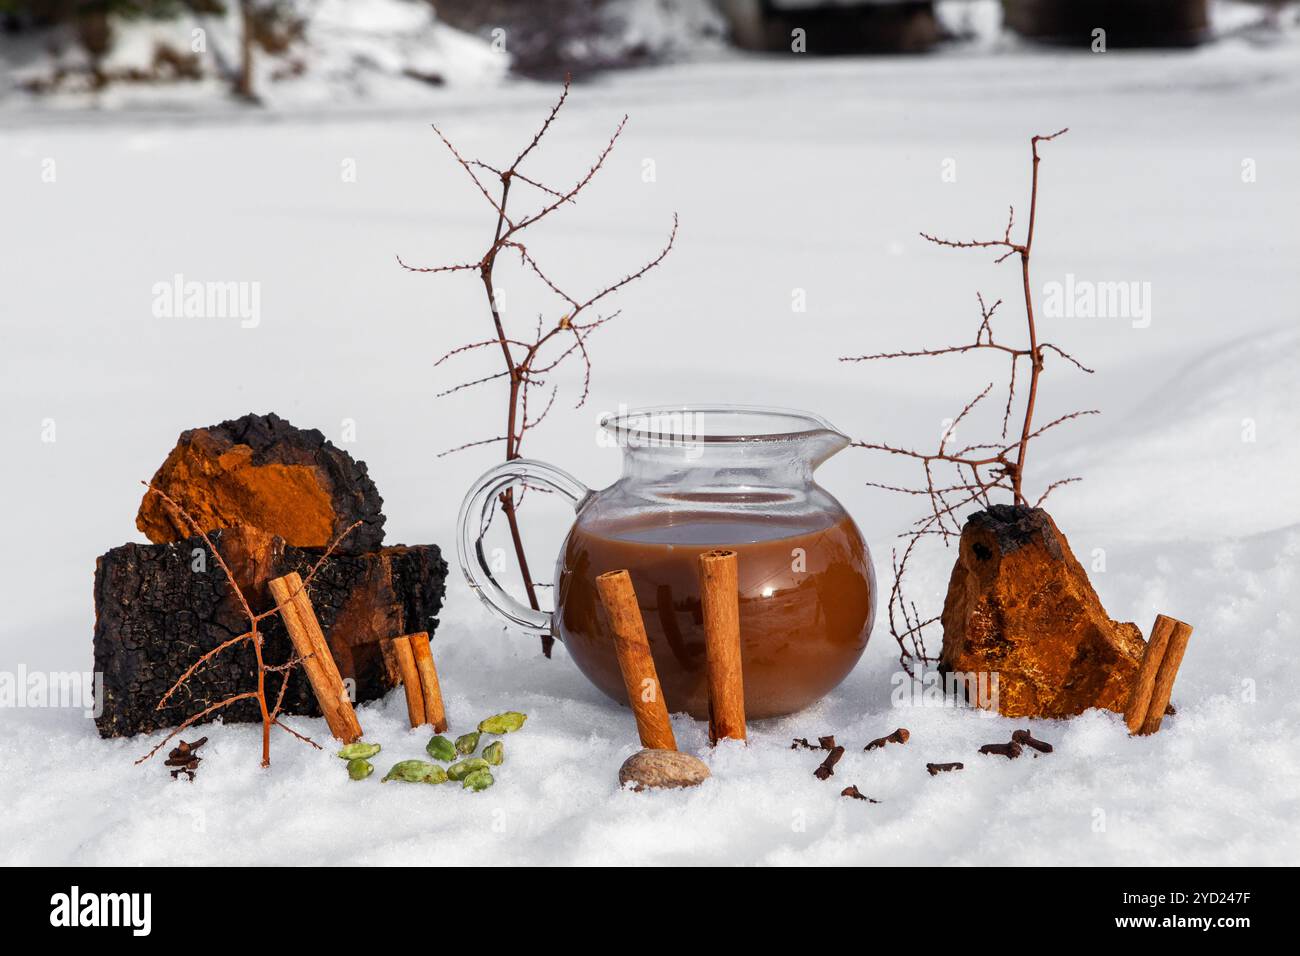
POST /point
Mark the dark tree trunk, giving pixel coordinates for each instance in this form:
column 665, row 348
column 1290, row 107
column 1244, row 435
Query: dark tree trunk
column 244, row 77
column 1128, row 23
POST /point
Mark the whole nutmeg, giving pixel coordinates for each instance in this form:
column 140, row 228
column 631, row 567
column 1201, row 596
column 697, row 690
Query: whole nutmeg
column 659, row 769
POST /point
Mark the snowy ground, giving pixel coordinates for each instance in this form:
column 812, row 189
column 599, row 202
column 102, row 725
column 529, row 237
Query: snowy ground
column 787, row 174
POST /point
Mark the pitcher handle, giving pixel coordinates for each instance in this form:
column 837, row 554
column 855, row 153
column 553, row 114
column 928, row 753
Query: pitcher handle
column 473, row 522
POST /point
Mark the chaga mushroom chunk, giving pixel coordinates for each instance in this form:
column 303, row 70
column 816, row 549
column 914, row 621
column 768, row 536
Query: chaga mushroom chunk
column 155, row 616
column 261, row 471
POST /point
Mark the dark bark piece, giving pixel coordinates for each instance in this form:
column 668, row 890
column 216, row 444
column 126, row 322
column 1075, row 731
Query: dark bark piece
column 1021, row 606
column 158, row 608
column 261, row 471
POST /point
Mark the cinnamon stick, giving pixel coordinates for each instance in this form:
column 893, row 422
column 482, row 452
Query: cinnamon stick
column 1166, row 675
column 410, row 679
column 720, row 597
column 434, row 712
column 633, row 649
column 309, row 642
column 1139, row 700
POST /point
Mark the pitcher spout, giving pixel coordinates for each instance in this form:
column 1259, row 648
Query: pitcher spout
column 823, row 444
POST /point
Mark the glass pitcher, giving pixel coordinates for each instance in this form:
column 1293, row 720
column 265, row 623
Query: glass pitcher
column 694, row 479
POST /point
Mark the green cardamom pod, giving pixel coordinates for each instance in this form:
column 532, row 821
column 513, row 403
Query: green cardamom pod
column 503, row 723
column 359, row 768
column 467, row 743
column 478, row 780
column 359, row 751
column 440, row 748
column 416, row 771
column 495, row 753
column 459, row 771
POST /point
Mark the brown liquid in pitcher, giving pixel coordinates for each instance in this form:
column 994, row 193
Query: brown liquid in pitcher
column 807, row 596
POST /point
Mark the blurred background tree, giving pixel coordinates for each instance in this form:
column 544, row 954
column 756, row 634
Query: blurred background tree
column 268, row 25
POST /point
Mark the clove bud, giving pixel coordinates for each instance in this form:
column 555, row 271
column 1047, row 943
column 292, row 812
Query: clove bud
column 899, row 736
column 823, row 743
column 827, row 768
column 1025, row 738
column 1010, row 750
column 937, row 768
column 184, row 759
column 852, row 791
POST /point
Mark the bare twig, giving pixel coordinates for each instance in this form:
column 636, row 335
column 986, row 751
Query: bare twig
column 270, row 714
column 983, row 468
column 525, row 360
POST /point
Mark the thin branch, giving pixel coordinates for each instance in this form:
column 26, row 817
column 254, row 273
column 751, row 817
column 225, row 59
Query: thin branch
column 1011, row 396
column 473, row 444
column 1052, row 487
column 311, row 573
column 195, row 718
column 452, row 353
column 303, row 737
column 470, row 172
column 460, row 267
column 926, row 353
column 555, row 111
column 981, row 468
column 577, row 187
column 189, row 671
column 470, row 384
column 632, row 277
column 525, row 361
column 1064, row 418
column 269, row 715
column 1067, row 356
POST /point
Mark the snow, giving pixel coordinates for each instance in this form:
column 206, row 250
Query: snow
column 787, row 174
column 357, row 44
